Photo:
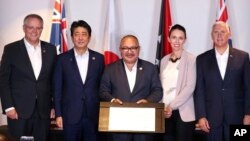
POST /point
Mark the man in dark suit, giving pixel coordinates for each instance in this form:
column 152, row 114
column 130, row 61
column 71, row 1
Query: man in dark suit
column 25, row 82
column 222, row 95
column 76, row 82
column 130, row 79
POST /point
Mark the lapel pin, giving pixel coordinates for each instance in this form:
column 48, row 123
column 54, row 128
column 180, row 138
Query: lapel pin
column 140, row 68
column 230, row 55
column 93, row 58
column 44, row 50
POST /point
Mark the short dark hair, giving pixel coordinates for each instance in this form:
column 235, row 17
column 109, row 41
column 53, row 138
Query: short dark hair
column 179, row 27
column 80, row 23
column 30, row 16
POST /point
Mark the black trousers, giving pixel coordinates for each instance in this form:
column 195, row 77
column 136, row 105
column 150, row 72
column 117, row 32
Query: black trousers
column 33, row 126
column 178, row 130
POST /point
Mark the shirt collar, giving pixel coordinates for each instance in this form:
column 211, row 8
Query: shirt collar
column 31, row 47
column 133, row 68
column 226, row 53
column 86, row 53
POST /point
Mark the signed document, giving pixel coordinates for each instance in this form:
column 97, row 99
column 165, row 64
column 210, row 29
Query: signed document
column 131, row 119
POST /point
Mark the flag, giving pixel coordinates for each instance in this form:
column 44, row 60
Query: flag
column 222, row 15
column 163, row 46
column 111, row 34
column 222, row 11
column 58, row 35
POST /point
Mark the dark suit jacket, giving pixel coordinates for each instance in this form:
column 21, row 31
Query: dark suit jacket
column 115, row 84
column 72, row 98
column 218, row 99
column 18, row 85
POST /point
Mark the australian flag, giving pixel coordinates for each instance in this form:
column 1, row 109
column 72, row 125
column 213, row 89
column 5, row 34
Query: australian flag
column 223, row 16
column 58, row 35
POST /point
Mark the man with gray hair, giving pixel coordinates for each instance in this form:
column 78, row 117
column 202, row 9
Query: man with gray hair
column 25, row 82
column 222, row 95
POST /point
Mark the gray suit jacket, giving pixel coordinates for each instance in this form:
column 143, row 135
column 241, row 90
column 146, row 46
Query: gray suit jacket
column 184, row 101
column 114, row 83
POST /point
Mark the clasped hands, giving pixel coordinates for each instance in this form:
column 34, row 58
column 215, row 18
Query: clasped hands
column 116, row 100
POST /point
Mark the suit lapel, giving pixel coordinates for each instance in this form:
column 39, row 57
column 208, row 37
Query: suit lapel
column 139, row 75
column 123, row 75
column 44, row 60
column 229, row 63
column 90, row 65
column 182, row 69
column 214, row 65
column 26, row 60
column 72, row 60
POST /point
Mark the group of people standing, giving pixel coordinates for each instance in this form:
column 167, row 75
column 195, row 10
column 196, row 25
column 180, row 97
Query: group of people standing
column 210, row 92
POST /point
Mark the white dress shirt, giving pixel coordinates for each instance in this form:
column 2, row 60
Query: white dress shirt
column 82, row 63
column 35, row 56
column 131, row 76
column 222, row 61
column 169, row 81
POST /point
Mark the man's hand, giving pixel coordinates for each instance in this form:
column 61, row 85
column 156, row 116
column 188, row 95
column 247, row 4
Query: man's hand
column 12, row 114
column 203, row 125
column 246, row 120
column 59, row 122
column 116, row 100
column 141, row 101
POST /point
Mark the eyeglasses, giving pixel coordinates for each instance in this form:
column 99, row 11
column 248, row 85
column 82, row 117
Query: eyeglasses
column 33, row 28
column 129, row 48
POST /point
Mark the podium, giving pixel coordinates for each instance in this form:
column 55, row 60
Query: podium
column 131, row 117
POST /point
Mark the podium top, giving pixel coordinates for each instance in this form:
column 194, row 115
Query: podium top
column 126, row 104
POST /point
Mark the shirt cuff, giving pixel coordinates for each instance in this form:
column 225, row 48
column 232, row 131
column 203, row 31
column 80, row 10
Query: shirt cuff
column 112, row 100
column 9, row 109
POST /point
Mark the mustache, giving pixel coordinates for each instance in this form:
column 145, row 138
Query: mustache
column 129, row 53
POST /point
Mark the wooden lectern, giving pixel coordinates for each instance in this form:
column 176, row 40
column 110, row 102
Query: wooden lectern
column 132, row 117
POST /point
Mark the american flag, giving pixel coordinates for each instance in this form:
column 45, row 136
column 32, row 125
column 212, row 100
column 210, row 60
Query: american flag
column 58, row 35
column 163, row 46
column 222, row 15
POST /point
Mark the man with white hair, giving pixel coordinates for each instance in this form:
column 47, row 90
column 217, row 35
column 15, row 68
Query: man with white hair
column 222, row 95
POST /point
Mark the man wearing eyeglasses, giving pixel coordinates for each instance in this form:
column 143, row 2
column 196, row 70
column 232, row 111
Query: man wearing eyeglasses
column 25, row 82
column 131, row 79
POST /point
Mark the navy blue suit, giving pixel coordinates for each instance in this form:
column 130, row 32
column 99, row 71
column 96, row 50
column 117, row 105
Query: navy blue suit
column 223, row 102
column 75, row 101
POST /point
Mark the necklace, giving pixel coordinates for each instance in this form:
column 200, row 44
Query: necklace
column 174, row 60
